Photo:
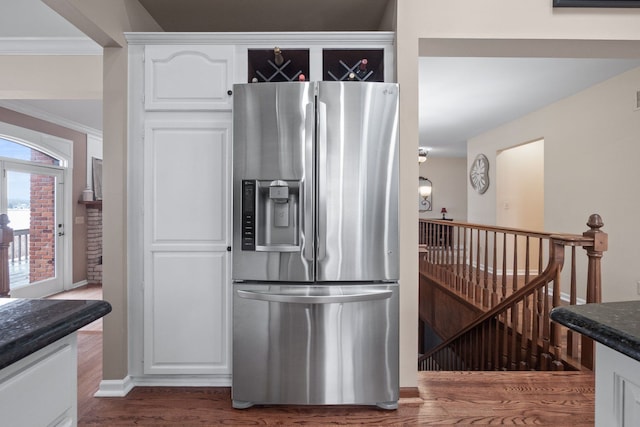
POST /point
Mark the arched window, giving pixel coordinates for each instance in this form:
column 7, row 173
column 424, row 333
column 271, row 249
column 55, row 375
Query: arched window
column 14, row 150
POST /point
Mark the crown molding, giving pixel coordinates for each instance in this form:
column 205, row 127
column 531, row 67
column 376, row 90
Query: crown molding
column 317, row 38
column 49, row 46
column 51, row 118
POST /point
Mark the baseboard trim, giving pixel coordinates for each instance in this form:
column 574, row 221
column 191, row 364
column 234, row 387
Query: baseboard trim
column 120, row 388
column 77, row 285
column 182, row 381
column 409, row 392
column 115, row 388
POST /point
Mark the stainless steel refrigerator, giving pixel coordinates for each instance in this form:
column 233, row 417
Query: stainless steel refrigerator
column 315, row 244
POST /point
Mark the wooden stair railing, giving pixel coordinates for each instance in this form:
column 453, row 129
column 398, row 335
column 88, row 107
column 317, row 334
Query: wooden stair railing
column 512, row 329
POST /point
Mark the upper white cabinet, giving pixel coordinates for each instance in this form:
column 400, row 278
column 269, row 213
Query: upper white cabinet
column 188, row 77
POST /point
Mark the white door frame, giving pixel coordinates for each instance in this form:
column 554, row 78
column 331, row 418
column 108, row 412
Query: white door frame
column 55, row 284
column 61, row 149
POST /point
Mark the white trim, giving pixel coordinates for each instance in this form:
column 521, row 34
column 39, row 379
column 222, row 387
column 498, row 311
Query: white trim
column 183, row 381
column 120, row 388
column 317, row 38
column 51, row 118
column 565, row 297
column 49, row 46
column 115, row 388
column 77, row 285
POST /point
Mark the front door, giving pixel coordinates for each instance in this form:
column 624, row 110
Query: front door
column 32, row 198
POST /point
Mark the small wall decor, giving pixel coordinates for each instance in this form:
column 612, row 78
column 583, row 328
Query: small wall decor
column 97, row 177
column 479, row 174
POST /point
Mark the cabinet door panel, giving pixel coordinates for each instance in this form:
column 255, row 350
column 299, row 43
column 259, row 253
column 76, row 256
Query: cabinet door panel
column 186, row 314
column 186, row 77
column 186, row 180
column 41, row 389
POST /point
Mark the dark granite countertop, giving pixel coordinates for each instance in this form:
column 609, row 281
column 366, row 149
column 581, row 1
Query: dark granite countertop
column 614, row 324
column 27, row 325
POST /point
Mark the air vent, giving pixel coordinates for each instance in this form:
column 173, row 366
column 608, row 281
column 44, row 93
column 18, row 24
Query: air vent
column 637, row 100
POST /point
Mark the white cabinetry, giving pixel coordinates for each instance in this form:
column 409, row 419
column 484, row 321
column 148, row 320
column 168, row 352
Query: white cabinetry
column 41, row 389
column 617, row 388
column 179, row 192
column 188, row 77
column 180, row 141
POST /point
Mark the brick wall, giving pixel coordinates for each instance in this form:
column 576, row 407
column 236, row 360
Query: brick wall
column 43, row 223
column 94, row 244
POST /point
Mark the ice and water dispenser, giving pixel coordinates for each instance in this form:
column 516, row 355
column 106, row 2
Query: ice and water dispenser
column 270, row 215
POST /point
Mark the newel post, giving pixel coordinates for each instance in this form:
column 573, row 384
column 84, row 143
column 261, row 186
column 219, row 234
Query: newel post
column 594, row 278
column 600, row 245
column 6, row 237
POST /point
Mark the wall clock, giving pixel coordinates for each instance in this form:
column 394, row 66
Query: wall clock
column 479, row 174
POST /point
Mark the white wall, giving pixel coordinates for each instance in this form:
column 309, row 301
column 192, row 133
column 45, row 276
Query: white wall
column 449, row 178
column 50, row 77
column 427, row 27
column 590, row 166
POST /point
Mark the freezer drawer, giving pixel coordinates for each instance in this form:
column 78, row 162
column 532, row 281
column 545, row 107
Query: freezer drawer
column 315, row 345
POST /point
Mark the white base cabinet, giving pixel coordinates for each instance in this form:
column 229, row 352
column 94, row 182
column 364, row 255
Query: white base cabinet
column 617, row 389
column 41, row 389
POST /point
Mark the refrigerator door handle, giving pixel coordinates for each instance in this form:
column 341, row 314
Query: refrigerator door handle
column 314, row 299
column 322, row 180
column 308, row 205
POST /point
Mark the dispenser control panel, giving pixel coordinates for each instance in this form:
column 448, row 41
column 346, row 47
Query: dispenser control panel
column 248, row 215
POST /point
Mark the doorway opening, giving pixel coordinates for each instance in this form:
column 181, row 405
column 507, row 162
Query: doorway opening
column 520, row 186
column 32, row 195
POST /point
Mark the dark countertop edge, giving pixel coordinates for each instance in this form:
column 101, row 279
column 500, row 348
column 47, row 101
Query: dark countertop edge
column 41, row 337
column 626, row 344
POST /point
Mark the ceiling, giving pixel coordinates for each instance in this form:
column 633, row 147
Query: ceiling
column 260, row 15
column 460, row 97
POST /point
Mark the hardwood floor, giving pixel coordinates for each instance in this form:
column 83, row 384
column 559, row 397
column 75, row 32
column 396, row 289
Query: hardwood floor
column 482, row 398
column 542, row 398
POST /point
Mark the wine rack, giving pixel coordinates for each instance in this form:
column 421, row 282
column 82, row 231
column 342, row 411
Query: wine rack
column 276, row 65
column 353, row 64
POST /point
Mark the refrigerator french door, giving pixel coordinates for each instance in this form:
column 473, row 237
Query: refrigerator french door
column 315, row 244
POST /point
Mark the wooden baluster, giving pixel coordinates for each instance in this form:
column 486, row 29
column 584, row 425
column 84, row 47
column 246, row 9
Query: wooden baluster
column 527, row 264
column 571, row 348
column 476, row 288
column 594, row 278
column 513, row 347
column 535, row 329
column 514, row 284
column 526, row 338
column 504, row 266
column 545, row 362
column 540, row 256
column 468, row 245
column 6, row 237
column 496, row 343
column 555, row 328
column 470, row 276
column 505, row 341
column 494, row 275
column 485, row 280
column 458, row 263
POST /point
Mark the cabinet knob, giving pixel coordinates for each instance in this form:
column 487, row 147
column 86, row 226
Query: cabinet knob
column 229, row 92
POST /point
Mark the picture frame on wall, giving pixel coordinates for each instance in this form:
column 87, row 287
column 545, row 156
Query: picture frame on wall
column 97, row 177
column 596, row 3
